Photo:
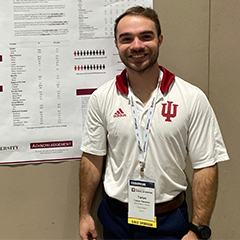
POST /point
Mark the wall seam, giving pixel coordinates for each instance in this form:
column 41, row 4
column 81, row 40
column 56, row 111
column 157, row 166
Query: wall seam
column 209, row 47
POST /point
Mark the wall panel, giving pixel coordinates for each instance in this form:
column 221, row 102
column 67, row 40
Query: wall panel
column 185, row 27
column 225, row 98
column 39, row 201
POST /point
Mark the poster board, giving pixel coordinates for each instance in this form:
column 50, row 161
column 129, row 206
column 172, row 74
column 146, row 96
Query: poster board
column 53, row 55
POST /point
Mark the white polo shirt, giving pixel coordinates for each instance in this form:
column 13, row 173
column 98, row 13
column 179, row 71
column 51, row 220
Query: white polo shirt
column 183, row 124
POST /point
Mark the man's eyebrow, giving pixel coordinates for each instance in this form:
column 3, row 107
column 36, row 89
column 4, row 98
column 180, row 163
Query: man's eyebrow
column 147, row 32
column 141, row 33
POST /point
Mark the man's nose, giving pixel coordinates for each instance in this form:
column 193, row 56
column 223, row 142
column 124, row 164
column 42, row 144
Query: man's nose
column 136, row 44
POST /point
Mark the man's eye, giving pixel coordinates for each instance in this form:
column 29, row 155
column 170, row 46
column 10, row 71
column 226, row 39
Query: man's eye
column 125, row 40
column 147, row 37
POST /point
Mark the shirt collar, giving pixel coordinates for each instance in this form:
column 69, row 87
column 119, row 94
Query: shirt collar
column 122, row 85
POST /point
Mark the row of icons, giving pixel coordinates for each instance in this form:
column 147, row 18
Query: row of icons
column 89, row 67
column 78, row 53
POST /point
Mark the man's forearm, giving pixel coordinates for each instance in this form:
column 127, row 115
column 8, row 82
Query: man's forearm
column 204, row 192
column 89, row 177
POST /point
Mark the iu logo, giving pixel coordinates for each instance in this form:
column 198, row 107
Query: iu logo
column 170, row 112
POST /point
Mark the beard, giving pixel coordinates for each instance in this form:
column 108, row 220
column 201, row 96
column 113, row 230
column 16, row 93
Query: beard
column 140, row 66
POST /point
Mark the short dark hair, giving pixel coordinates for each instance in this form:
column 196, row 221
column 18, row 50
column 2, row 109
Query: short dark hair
column 139, row 11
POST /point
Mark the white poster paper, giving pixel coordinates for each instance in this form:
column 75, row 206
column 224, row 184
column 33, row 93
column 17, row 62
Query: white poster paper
column 53, row 55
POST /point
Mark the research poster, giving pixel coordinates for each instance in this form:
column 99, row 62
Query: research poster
column 53, row 55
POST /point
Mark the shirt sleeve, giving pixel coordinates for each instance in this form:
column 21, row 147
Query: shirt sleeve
column 94, row 136
column 205, row 142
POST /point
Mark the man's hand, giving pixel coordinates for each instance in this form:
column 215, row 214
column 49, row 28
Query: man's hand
column 190, row 236
column 87, row 228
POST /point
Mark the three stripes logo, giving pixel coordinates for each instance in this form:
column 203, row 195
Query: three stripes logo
column 119, row 113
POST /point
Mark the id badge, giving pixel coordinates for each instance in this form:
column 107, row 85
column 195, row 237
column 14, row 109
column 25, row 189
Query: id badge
column 141, row 203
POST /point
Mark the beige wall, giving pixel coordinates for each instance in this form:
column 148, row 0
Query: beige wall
column 224, row 86
column 201, row 45
column 39, row 201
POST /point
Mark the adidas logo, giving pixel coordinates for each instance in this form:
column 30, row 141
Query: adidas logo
column 119, row 113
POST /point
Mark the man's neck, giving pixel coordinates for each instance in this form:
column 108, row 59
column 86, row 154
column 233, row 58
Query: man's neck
column 144, row 83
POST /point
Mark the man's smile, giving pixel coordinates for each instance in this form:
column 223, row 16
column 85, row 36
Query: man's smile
column 138, row 56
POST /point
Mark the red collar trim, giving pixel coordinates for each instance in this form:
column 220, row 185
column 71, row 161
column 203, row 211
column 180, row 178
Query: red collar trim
column 122, row 85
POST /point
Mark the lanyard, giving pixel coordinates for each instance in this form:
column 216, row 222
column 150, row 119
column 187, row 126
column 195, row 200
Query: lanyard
column 142, row 141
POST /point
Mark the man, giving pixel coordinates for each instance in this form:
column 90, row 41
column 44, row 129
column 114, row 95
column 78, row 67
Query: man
column 179, row 122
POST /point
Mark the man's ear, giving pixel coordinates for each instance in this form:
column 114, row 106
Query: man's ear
column 160, row 40
column 115, row 41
